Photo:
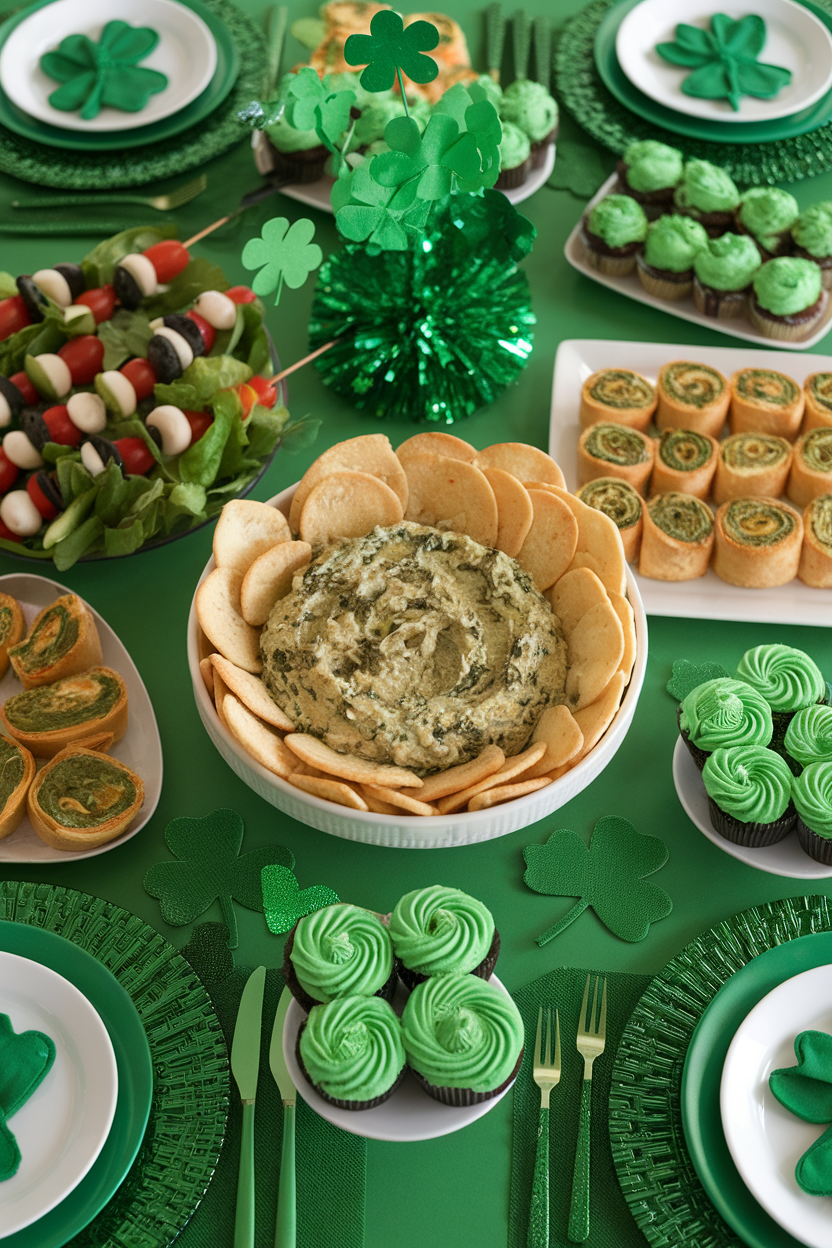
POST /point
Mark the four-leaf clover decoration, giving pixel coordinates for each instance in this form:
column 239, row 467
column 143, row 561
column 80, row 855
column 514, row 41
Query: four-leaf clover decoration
column 607, row 875
column 286, row 254
column 391, row 49
column 724, row 60
column 806, row 1091
column 97, row 75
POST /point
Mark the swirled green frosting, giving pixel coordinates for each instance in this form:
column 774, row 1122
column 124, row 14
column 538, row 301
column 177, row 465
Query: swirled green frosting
column 460, row 1032
column 757, row 522
column 622, row 389
column 617, row 499
column 787, row 678
column 809, row 734
column 617, row 444
column 819, row 516
column 788, row 285
column 726, row 712
column 514, row 146
column 817, row 450
column 352, row 1048
column 341, row 951
column 754, row 450
column 672, row 243
column 11, row 769
column 83, row 792
column 55, row 633
column 681, row 516
column 64, row 704
column 812, row 796
column 728, row 262
column 813, row 230
column 764, row 385
column 437, row 930
column 748, row 782
column 652, row 166
column 618, row 220
column 707, row 188
column 767, row 212
column 684, row 450
column 529, row 105
column 695, row 385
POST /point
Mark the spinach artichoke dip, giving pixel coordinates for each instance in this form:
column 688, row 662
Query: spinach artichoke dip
column 416, row 647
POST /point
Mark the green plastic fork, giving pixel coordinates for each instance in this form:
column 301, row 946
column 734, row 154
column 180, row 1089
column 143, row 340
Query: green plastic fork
column 592, row 1031
column 546, row 1073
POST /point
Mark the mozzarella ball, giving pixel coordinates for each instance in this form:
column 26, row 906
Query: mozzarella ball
column 91, row 460
column 19, row 513
column 217, row 309
column 142, row 271
column 20, row 450
column 54, row 285
column 87, row 411
column 174, row 427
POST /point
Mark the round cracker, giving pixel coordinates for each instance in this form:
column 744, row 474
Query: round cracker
column 330, row 790
column 512, row 769
column 263, row 743
column 506, row 793
column 376, row 806
column 558, row 729
column 573, row 594
column 206, row 671
column 550, row 543
column 599, row 544
column 401, row 801
column 451, row 494
column 595, row 719
column 436, row 443
column 463, row 776
column 595, row 651
column 626, row 615
column 244, row 530
column 347, row 504
column 220, row 693
column 345, row 766
column 218, row 612
column 514, row 510
column 270, row 577
column 252, row 693
column 370, row 453
column 524, row 462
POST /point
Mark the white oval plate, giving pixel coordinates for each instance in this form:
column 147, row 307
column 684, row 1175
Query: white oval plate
column 409, row 1115
column 784, row 858
column 139, row 748
column 765, row 1140
column 62, row 1127
column 795, row 39
column 186, row 53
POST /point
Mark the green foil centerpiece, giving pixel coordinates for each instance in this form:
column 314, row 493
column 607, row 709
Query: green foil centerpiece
column 724, row 60
column 104, row 74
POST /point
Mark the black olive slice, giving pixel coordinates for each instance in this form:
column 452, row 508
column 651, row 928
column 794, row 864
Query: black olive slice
column 35, row 427
column 49, row 488
column 106, row 449
column 12, row 396
column 155, row 435
column 162, row 358
column 73, row 275
column 34, row 298
column 189, row 331
column 128, row 291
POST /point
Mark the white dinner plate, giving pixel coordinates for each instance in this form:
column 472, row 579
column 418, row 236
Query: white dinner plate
column 765, row 1139
column 737, row 327
column 795, row 40
column 706, row 597
column 62, row 1127
column 409, row 1115
column 139, row 748
column 785, row 858
column 186, row 53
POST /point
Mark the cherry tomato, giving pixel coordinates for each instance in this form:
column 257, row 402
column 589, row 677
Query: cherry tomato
column 48, row 510
column 168, row 258
column 83, row 357
column 141, row 376
column 241, row 294
column 101, row 301
column 60, row 426
column 9, row 472
column 200, row 423
column 248, row 397
column 208, row 332
column 13, row 316
column 7, row 534
column 24, row 385
column 135, row 455
column 266, row 393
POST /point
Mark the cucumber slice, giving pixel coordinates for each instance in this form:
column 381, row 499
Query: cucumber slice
column 70, row 519
column 49, row 374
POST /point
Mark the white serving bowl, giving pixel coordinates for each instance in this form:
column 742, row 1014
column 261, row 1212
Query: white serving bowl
column 413, row 831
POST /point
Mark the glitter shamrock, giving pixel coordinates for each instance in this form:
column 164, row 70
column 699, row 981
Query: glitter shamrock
column 391, row 49
column 688, row 676
column 104, row 74
column 284, row 902
column 283, row 253
column 806, row 1091
column 724, row 60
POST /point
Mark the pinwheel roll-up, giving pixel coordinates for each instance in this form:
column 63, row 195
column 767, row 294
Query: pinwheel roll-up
column 62, row 641
column 817, row 390
column 757, row 543
column 815, row 566
column 752, row 465
column 678, row 538
column 78, row 708
column 82, row 799
column 685, row 462
column 811, row 472
column 618, row 395
column 764, row 401
column 607, row 450
column 692, row 396
column 17, row 771
column 618, row 500
column 12, row 628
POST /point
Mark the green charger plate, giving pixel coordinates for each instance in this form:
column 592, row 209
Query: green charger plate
column 190, row 1064
column 135, row 1082
column 703, row 1073
column 228, row 64
column 617, row 82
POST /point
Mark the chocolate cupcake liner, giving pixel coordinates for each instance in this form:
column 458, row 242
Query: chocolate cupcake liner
column 300, row 166
column 354, row 1106
column 751, row 835
column 541, row 147
column 461, row 1097
column 410, row 978
column 817, row 847
column 700, row 757
column 304, row 1000
column 510, row 179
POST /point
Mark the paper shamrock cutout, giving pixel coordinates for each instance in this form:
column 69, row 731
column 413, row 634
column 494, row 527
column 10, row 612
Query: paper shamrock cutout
column 388, row 217
column 286, row 254
column 688, row 676
column 606, row 875
column 806, row 1091
column 208, row 953
column 724, row 60
column 284, row 902
column 210, row 869
column 26, row 1058
column 104, row 74
column 311, row 105
column 391, row 49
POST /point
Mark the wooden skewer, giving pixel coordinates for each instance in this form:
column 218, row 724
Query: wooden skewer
column 209, row 229
column 300, row 363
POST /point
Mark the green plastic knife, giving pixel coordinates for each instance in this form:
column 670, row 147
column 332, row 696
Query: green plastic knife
column 245, row 1066
column 286, row 1227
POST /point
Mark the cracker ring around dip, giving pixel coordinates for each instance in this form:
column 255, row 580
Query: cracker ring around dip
column 506, row 793
column 264, row 744
column 436, row 443
column 573, row 594
column 463, row 776
column 595, row 719
column 513, row 768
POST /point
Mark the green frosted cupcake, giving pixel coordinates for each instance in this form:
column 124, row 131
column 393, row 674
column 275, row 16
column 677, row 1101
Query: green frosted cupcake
column 515, row 157
column 612, row 233
column 808, row 737
column 767, row 214
column 352, row 1052
column 439, row 931
column 789, row 300
column 720, row 713
column 787, row 678
column 650, row 171
column 463, row 1039
column 812, row 238
column 707, row 194
column 529, row 105
column 723, row 271
column 812, row 794
column 339, row 951
column 749, row 795
column 665, row 267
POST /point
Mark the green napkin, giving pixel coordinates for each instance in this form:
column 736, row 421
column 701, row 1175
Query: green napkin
column 611, row 1223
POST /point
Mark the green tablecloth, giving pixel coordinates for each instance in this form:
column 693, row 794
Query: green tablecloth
column 454, row 1190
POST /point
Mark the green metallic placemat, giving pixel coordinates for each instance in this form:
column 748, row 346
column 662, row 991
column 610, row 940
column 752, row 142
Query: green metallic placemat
column 187, row 1120
column 579, row 88
column 657, row 1176
column 100, row 171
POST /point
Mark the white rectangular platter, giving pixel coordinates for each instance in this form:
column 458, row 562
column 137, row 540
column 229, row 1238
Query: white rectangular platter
column 630, row 286
column 707, row 597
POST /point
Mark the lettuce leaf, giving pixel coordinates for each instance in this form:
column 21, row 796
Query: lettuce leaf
column 99, row 264
column 200, row 464
column 201, row 381
column 70, row 549
column 15, row 348
column 264, row 429
column 200, row 275
column 126, row 334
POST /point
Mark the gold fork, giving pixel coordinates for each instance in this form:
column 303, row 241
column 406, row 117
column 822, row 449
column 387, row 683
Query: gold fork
column 546, row 1072
column 162, row 203
column 592, row 1030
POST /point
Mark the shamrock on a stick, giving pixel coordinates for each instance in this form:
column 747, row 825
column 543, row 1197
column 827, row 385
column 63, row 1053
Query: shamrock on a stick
column 286, row 254
column 607, row 875
column 391, row 49
column 96, row 75
column 209, row 869
column 724, row 60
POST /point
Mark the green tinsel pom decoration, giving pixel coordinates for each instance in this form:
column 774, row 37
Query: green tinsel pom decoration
column 433, row 333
